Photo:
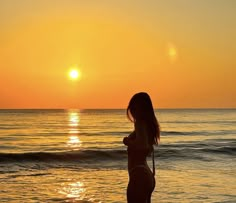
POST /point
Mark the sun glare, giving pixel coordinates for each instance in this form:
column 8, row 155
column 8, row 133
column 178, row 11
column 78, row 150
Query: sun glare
column 74, row 74
column 172, row 52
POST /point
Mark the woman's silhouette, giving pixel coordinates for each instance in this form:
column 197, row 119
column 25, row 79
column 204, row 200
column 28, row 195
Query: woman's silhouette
column 140, row 144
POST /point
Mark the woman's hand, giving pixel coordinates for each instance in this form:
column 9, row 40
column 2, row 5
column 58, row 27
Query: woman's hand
column 126, row 141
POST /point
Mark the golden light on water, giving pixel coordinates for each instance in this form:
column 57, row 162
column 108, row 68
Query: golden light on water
column 73, row 119
column 74, row 74
column 73, row 141
column 74, row 190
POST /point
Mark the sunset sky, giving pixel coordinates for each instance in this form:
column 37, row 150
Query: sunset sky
column 182, row 52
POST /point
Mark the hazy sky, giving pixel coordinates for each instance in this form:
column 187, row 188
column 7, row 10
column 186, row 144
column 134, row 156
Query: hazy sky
column 182, row 52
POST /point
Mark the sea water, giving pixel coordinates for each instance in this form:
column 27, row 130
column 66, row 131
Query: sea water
column 78, row 156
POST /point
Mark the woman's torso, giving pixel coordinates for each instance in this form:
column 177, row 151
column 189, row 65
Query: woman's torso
column 137, row 158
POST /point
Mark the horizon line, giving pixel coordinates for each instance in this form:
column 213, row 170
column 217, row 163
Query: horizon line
column 161, row 108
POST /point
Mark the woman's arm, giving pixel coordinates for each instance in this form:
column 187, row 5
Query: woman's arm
column 131, row 137
column 141, row 137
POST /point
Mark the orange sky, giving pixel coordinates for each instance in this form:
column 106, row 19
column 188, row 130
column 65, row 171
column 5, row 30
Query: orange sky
column 181, row 52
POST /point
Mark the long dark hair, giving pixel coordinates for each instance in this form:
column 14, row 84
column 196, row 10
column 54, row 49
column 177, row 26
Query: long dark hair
column 140, row 108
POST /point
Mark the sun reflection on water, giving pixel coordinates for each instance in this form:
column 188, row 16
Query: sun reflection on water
column 74, row 190
column 73, row 141
column 73, row 119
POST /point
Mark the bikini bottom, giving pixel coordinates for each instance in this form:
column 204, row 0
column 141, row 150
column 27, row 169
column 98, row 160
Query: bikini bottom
column 141, row 185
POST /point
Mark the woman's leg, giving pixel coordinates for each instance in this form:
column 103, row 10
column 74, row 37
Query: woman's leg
column 150, row 193
column 140, row 186
column 136, row 193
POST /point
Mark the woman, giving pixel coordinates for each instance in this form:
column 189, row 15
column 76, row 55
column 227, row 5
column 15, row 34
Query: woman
column 140, row 144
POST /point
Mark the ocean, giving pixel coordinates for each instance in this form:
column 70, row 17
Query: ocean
column 78, row 156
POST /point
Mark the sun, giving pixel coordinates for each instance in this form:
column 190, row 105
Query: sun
column 74, row 74
column 172, row 52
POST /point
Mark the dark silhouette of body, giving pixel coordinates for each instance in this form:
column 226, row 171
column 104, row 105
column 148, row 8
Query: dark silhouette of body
column 140, row 144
